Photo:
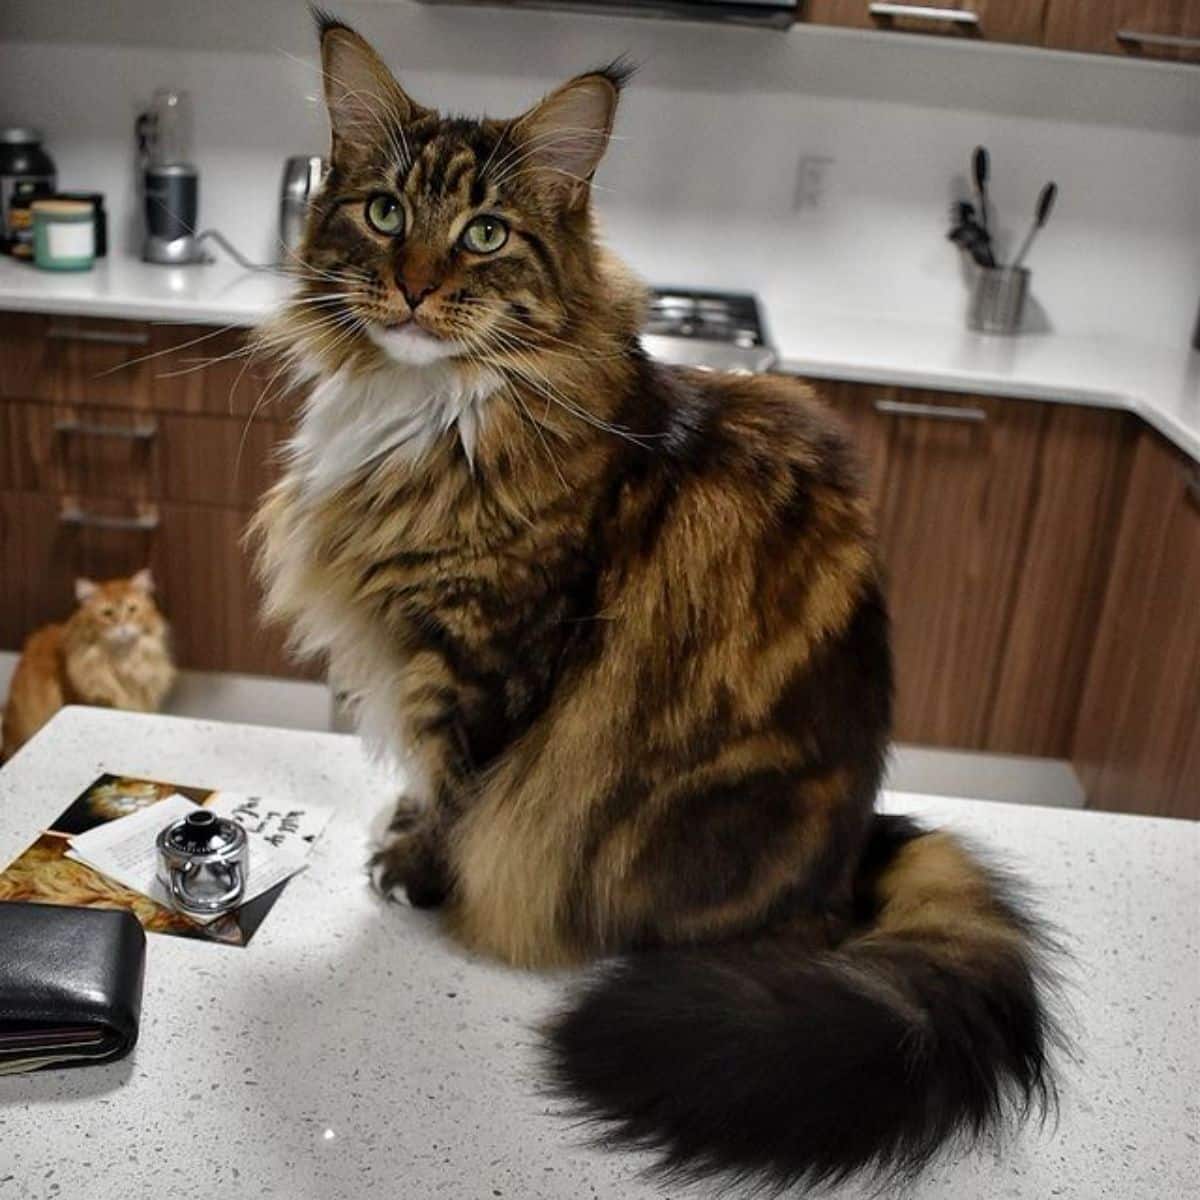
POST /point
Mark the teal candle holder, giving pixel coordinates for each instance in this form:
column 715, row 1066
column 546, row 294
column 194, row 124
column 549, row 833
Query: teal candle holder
column 64, row 235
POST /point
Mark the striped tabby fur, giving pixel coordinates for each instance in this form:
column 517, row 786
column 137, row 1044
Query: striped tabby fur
column 626, row 624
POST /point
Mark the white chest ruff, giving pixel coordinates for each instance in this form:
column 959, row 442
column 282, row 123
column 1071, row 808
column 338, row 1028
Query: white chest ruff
column 353, row 421
column 349, row 425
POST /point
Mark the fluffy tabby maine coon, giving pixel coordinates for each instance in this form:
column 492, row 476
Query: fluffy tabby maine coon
column 625, row 621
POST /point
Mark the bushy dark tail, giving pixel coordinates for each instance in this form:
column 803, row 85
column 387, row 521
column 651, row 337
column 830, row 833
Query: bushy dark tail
column 761, row 1062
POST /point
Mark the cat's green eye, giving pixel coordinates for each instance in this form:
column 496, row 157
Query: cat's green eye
column 385, row 215
column 485, row 235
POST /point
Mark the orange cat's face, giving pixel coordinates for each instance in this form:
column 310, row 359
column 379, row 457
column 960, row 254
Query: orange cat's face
column 119, row 611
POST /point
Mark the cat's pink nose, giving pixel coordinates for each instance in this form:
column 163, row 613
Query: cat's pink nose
column 412, row 299
column 417, row 276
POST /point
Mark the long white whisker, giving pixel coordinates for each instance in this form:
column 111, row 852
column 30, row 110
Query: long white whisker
column 133, row 362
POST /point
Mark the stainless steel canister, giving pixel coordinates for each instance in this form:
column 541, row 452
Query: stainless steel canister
column 998, row 299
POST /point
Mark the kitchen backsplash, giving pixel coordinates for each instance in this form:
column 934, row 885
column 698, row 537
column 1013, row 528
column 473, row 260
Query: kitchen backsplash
column 705, row 185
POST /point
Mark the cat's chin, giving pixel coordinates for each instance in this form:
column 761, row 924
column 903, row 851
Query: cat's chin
column 411, row 345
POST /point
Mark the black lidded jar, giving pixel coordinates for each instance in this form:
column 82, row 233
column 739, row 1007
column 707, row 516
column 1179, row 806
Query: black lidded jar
column 25, row 170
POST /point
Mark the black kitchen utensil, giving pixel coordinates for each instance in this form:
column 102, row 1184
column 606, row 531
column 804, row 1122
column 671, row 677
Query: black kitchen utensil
column 1044, row 206
column 969, row 235
column 980, row 166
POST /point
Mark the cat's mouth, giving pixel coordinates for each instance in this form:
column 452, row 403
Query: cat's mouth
column 410, row 343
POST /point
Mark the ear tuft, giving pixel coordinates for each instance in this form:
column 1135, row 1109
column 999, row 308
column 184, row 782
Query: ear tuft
column 618, row 72
column 325, row 20
column 143, row 580
column 567, row 133
column 364, row 101
column 85, row 589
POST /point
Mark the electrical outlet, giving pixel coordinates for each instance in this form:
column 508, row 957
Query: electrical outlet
column 812, row 181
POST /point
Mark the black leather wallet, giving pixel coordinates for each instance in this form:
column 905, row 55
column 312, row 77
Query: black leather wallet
column 70, row 985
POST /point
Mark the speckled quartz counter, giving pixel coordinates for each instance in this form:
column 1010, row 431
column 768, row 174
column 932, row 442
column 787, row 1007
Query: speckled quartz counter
column 350, row 1052
column 1159, row 383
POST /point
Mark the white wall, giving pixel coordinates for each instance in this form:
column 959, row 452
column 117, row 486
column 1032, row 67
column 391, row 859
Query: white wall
column 701, row 187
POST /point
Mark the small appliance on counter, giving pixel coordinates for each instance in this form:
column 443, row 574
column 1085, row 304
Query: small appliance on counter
column 170, row 184
column 301, row 177
column 26, row 173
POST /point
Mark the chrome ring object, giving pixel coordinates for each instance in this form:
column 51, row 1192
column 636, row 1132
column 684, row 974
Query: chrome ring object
column 202, row 862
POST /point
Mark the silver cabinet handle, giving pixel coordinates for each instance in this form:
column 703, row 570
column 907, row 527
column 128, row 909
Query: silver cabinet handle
column 1131, row 37
column 133, row 433
column 925, row 12
column 72, row 514
column 936, row 412
column 110, row 337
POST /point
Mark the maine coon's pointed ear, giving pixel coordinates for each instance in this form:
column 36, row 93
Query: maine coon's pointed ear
column 143, row 581
column 85, row 589
column 363, row 99
column 565, row 136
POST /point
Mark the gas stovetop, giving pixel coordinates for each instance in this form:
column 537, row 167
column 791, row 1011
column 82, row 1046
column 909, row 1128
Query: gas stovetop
column 720, row 331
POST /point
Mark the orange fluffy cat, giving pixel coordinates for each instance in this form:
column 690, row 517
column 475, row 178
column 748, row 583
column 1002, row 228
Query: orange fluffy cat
column 113, row 652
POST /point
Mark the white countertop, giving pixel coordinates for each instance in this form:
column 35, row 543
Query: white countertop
column 217, row 293
column 1161, row 384
column 351, row 1052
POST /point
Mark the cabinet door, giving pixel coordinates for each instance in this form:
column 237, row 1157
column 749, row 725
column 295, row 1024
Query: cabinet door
column 36, row 569
column 1061, row 579
column 208, row 589
column 1137, row 731
column 80, row 360
column 217, row 371
column 22, row 349
column 137, row 455
column 996, row 20
column 90, row 361
column 93, row 362
column 226, row 461
column 957, row 491
column 1167, row 29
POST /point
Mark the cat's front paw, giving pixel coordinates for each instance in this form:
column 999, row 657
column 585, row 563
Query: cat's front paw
column 410, row 862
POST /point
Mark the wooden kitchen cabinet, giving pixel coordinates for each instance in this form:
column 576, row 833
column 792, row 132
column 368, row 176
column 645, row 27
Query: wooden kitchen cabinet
column 994, row 20
column 36, row 575
column 90, row 361
column 214, row 372
column 952, row 519
column 951, row 478
column 1164, row 29
column 1063, row 570
column 135, row 365
column 996, row 522
column 138, row 455
column 207, row 585
column 1137, row 743
column 115, row 456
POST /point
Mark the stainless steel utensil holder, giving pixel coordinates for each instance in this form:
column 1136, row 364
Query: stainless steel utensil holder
column 998, row 299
